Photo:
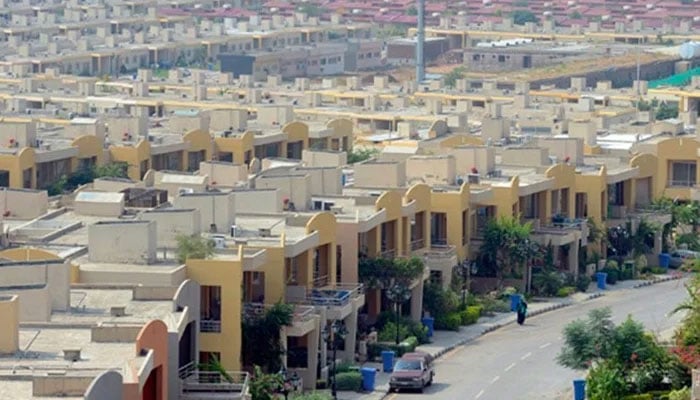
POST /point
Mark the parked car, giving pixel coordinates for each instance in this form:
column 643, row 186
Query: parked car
column 678, row 257
column 412, row 371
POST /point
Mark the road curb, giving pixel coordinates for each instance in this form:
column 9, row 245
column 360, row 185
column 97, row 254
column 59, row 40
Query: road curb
column 499, row 325
column 657, row 280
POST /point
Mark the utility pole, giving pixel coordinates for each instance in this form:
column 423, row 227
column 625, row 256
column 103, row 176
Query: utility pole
column 420, row 43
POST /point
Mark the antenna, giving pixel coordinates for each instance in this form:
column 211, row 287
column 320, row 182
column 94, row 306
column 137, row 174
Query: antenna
column 420, row 43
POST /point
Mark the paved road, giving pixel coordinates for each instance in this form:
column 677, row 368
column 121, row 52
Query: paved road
column 519, row 362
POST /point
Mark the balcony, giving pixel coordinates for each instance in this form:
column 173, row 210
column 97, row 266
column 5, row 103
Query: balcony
column 339, row 299
column 653, row 215
column 202, row 385
column 440, row 257
column 617, row 211
column 302, row 318
column 388, row 253
column 561, row 232
column 210, row 326
column 417, row 244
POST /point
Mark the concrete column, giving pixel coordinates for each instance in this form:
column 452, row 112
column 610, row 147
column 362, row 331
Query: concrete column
column 309, row 376
column 348, row 354
column 417, row 301
column 573, row 258
column 657, row 243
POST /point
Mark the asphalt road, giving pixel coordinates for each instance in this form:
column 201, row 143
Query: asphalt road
column 519, row 362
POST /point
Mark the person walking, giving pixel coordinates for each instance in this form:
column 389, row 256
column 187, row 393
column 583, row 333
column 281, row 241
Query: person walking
column 522, row 311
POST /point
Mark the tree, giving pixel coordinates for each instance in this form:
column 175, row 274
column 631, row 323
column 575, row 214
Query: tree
column 261, row 337
column 361, row 154
column 412, row 11
column 504, row 245
column 452, row 76
column 575, row 15
column 215, row 365
column 521, row 17
column 382, row 273
column 111, row 170
column 193, row 246
column 622, row 359
column 264, row 386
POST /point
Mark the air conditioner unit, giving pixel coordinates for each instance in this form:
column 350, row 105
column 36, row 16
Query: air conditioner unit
column 182, row 191
column 219, row 242
column 474, row 179
column 265, row 232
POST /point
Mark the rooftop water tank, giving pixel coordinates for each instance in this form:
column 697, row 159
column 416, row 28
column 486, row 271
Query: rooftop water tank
column 690, row 50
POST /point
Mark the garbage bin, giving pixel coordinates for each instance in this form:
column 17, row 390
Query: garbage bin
column 388, row 360
column 368, row 378
column 579, row 389
column 429, row 322
column 601, row 278
column 514, row 301
column 664, row 260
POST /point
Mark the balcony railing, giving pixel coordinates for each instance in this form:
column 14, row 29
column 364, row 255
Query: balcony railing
column 681, row 183
column 438, row 242
column 417, row 244
column 440, row 251
column 337, row 296
column 320, row 281
column 231, row 385
column 210, row 325
column 255, row 310
column 389, row 253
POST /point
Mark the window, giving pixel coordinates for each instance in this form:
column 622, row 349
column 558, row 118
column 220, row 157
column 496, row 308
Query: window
column 683, row 173
column 501, row 59
column 616, row 194
column 210, row 309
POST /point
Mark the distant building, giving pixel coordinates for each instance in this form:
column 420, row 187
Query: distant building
column 403, row 51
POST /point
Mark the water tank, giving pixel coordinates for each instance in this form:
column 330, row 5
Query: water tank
column 690, row 50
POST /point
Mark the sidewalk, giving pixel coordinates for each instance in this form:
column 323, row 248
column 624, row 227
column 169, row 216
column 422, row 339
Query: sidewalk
column 445, row 341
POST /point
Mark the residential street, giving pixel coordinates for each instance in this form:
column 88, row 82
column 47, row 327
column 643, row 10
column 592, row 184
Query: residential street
column 519, row 362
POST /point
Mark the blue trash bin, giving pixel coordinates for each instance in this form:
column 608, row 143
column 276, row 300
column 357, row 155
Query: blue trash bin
column 429, row 322
column 579, row 389
column 514, row 301
column 664, row 260
column 601, row 278
column 388, row 360
column 368, row 377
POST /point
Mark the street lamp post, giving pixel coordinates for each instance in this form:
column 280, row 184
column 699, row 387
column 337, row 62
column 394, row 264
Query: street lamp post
column 398, row 294
column 336, row 334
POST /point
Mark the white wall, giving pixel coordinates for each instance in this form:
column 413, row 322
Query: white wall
column 122, row 242
column 172, row 222
column 216, row 208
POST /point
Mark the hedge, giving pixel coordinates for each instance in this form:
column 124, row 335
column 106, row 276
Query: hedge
column 644, row 396
column 566, row 291
column 450, row 322
column 374, row 350
column 470, row 315
column 349, row 381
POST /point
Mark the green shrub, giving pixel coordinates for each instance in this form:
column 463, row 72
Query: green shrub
column 374, row 350
column 582, row 283
column 311, row 396
column 450, row 322
column 344, row 367
column 547, row 283
column 658, row 270
column 566, row 291
column 349, row 381
column 612, row 275
column 409, row 344
column 470, row 315
column 611, row 264
column 490, row 305
column 414, row 328
column 321, row 384
column 680, row 394
column 645, row 396
column 388, row 333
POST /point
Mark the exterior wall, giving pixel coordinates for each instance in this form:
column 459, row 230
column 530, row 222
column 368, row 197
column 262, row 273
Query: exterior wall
column 326, row 181
column 153, row 336
column 346, row 238
column 392, row 203
column 172, row 222
column 15, row 164
column 258, row 201
column 563, row 148
column 440, row 170
column 296, row 131
column 170, row 182
column 505, row 198
column 224, row 174
column 106, row 386
column 215, row 208
column 90, row 146
column 24, row 204
column 342, row 128
column 422, row 195
column 379, row 174
column 595, row 187
column 296, row 188
column 55, row 274
column 187, row 299
column 325, row 224
column 313, row 158
column 197, row 140
column 467, row 157
column 453, row 204
column 17, row 134
column 526, row 156
column 92, row 203
column 122, row 242
column 9, row 330
column 646, row 165
column 237, row 146
column 564, row 178
column 133, row 156
column 229, row 275
column 669, row 150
